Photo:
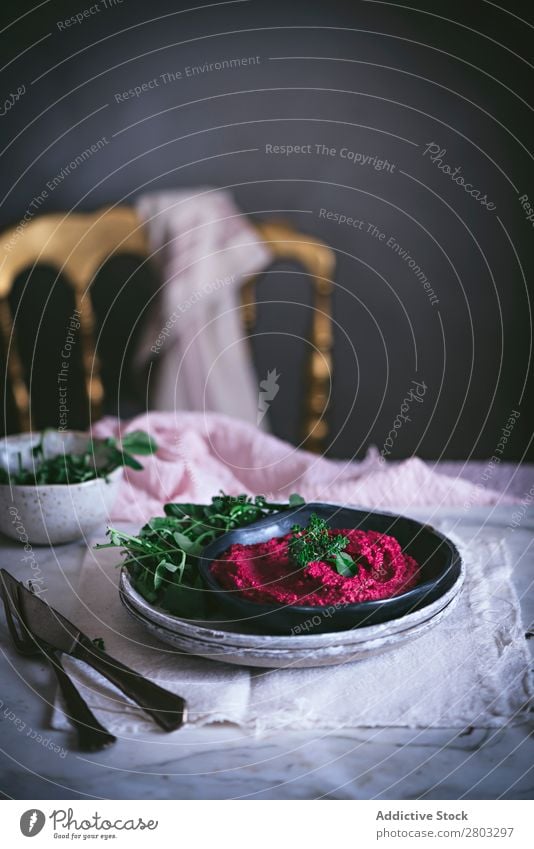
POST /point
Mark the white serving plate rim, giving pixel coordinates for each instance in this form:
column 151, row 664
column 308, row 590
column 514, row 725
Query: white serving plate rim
column 201, row 630
column 288, row 658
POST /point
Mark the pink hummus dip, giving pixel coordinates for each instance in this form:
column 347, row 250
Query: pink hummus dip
column 265, row 573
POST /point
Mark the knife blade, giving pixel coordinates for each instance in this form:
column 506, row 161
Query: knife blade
column 54, row 629
column 92, row 736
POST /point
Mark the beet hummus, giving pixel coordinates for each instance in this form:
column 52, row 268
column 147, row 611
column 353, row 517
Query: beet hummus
column 265, row 573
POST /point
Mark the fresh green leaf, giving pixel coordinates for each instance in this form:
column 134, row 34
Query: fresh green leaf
column 138, row 442
column 296, row 500
column 162, row 523
column 98, row 460
column 345, row 565
column 131, row 462
column 317, row 543
column 160, row 575
column 162, row 558
column 183, row 541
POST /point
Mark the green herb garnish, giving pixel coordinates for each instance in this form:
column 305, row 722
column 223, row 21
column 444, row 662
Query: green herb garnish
column 162, row 557
column 314, row 542
column 98, row 460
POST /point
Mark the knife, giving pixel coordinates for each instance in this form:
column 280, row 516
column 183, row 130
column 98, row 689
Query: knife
column 52, row 628
column 92, row 736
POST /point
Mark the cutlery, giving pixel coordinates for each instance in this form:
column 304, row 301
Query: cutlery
column 51, row 627
column 92, row 736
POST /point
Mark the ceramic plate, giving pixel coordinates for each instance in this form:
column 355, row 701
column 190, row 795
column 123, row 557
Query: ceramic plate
column 297, row 657
column 216, row 641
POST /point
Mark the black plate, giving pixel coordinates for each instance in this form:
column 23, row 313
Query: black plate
column 437, row 555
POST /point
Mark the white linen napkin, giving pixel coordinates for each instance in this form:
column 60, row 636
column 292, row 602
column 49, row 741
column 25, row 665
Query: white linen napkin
column 472, row 669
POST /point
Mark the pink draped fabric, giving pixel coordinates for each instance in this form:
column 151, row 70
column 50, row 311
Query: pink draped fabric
column 202, row 453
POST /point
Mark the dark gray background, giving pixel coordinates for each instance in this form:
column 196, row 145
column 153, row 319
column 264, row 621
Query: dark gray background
column 414, row 76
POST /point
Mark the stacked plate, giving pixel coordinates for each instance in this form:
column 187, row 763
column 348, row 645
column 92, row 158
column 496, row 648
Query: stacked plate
column 233, row 644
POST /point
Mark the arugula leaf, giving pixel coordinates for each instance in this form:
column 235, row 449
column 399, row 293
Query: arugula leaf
column 162, row 559
column 164, row 567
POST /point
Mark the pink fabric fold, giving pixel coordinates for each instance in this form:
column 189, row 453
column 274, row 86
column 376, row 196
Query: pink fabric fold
column 202, row 453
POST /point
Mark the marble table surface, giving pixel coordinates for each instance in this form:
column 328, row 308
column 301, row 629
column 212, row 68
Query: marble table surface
column 223, row 762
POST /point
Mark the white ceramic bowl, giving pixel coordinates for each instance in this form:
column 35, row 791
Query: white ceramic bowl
column 52, row 513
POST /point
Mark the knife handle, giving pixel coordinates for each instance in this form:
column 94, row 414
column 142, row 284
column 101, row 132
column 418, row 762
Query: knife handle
column 166, row 708
column 92, row 736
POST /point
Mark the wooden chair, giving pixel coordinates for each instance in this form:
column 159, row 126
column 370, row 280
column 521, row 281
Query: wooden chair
column 77, row 245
